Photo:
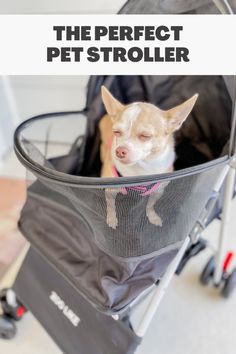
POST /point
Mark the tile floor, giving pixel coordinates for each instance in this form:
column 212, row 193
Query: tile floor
column 191, row 319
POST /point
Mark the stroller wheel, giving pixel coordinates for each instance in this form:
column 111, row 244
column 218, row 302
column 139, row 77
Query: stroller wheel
column 10, row 305
column 208, row 271
column 229, row 285
column 7, row 328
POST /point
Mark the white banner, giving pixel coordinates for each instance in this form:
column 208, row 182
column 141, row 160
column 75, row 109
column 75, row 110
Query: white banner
column 117, row 44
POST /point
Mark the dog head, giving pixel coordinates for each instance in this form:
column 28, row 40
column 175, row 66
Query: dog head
column 141, row 130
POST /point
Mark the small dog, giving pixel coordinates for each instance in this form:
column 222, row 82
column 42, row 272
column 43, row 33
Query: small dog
column 137, row 139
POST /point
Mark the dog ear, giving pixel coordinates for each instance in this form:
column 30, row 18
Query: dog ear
column 112, row 105
column 177, row 115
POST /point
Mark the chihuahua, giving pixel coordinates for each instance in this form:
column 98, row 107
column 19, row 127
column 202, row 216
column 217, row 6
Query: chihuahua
column 138, row 139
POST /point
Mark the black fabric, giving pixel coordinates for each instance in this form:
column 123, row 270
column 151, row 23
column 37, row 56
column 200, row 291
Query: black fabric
column 95, row 333
column 111, row 267
column 70, row 163
column 65, row 237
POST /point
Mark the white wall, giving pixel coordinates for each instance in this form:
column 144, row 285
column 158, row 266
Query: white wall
column 22, row 97
column 8, row 116
column 30, row 96
column 41, row 94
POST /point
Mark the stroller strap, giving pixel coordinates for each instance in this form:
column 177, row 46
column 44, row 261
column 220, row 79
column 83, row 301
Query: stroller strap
column 143, row 190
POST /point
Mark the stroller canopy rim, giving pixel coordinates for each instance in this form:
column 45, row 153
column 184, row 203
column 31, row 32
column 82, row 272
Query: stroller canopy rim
column 98, row 182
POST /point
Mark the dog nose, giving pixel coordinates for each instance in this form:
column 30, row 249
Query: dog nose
column 121, row 152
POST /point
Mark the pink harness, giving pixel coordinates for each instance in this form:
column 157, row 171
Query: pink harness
column 143, row 190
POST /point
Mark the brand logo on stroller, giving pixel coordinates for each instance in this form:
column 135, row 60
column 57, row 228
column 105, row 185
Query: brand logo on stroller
column 67, row 312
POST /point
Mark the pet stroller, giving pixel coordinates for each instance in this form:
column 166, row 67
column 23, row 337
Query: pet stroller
column 81, row 276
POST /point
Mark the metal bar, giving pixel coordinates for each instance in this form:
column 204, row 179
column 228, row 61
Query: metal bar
column 159, row 292
column 229, row 188
column 224, row 7
column 11, row 273
column 221, row 179
column 203, row 218
column 232, row 145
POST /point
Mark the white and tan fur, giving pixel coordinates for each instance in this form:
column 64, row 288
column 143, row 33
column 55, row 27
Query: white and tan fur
column 142, row 143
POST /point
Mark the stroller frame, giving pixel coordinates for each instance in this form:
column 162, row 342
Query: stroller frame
column 228, row 173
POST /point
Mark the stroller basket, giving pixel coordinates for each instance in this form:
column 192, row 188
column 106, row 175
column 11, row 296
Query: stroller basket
column 65, row 215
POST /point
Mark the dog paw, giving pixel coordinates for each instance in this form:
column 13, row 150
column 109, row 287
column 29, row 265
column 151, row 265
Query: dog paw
column 112, row 221
column 154, row 218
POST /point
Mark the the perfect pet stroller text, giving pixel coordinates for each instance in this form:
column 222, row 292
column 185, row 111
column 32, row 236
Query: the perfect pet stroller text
column 128, row 34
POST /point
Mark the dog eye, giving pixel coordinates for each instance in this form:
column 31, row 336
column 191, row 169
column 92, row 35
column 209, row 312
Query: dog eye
column 117, row 133
column 144, row 137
